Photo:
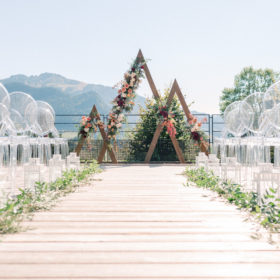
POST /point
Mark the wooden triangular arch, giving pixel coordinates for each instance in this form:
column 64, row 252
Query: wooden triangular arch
column 161, row 125
column 175, row 89
column 94, row 114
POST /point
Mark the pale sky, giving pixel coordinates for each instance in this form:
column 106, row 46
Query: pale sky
column 201, row 43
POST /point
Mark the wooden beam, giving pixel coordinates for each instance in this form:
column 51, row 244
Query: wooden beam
column 203, row 145
column 154, row 143
column 80, row 145
column 148, row 75
column 171, row 95
column 177, row 149
column 105, row 139
column 182, row 100
column 159, row 129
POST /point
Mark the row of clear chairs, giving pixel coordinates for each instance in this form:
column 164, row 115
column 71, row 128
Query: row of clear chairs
column 19, row 149
column 25, row 176
column 259, row 177
column 249, row 150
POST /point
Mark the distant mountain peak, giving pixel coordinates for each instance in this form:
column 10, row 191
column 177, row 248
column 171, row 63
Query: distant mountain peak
column 65, row 95
column 47, row 80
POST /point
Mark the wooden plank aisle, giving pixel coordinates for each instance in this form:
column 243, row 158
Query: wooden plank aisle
column 139, row 222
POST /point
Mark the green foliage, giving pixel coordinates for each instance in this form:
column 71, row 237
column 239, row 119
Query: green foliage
column 266, row 209
column 42, row 198
column 249, row 80
column 147, row 125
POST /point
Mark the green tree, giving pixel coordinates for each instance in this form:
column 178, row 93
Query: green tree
column 145, row 129
column 249, row 80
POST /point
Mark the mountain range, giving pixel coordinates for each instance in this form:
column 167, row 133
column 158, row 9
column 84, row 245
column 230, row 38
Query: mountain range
column 71, row 97
column 66, row 96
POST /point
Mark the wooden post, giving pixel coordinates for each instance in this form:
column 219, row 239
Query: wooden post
column 203, row 145
column 148, row 75
column 182, row 100
column 154, row 143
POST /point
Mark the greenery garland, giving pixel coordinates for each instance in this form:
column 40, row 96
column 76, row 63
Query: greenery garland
column 266, row 208
column 43, row 197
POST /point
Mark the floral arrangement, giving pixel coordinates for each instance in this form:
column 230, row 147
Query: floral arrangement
column 88, row 125
column 196, row 134
column 167, row 118
column 124, row 101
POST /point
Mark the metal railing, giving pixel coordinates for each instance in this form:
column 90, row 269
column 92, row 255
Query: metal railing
column 67, row 124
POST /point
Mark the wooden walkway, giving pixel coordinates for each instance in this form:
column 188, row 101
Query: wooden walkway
column 139, row 222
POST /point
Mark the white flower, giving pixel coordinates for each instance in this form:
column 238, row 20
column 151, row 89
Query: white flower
column 120, row 117
column 123, row 95
column 195, row 128
column 86, row 129
column 118, row 125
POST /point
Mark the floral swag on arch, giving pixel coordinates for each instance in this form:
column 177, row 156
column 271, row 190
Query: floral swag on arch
column 124, row 103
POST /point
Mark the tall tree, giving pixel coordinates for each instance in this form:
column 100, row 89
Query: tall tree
column 249, row 80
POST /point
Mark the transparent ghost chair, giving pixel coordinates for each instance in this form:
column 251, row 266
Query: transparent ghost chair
column 46, row 118
column 254, row 104
column 234, row 116
column 4, row 96
column 200, row 160
column 237, row 117
column 23, row 110
column 213, row 164
column 5, row 121
column 272, row 97
column 32, row 173
column 56, row 167
column 5, row 170
column 73, row 161
column 231, row 170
